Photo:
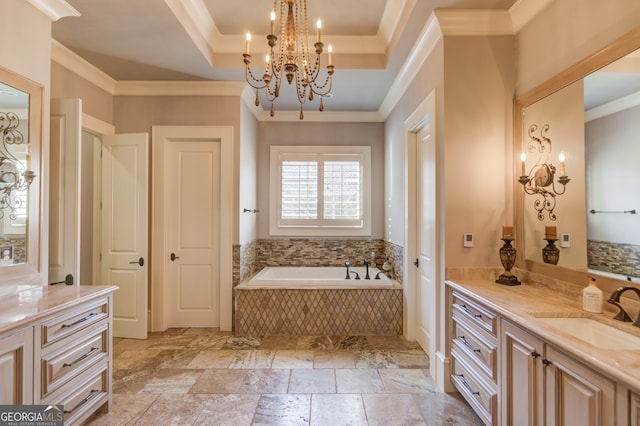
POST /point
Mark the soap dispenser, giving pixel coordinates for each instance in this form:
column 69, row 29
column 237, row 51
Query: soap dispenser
column 592, row 297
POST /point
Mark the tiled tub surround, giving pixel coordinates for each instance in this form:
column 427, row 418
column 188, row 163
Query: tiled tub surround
column 622, row 259
column 263, row 312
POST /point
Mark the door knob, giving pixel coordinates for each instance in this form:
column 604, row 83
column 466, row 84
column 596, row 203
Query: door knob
column 139, row 262
column 173, row 257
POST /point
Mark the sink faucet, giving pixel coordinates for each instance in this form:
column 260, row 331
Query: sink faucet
column 614, row 299
column 346, row 265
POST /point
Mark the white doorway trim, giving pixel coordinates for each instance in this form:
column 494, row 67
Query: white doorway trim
column 161, row 136
column 425, row 115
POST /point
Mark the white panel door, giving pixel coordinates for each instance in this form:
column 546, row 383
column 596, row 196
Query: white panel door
column 426, row 224
column 125, row 212
column 64, row 190
column 193, row 230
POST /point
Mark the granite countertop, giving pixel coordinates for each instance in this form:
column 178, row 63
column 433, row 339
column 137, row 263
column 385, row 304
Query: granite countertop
column 29, row 304
column 526, row 306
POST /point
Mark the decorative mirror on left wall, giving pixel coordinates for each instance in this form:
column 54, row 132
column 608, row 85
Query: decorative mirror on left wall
column 20, row 178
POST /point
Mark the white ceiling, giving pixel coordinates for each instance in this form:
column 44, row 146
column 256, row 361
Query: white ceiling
column 202, row 40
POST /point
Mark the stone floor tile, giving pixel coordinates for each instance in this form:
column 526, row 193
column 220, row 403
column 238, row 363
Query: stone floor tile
column 279, row 342
column 288, row 409
column 173, row 410
column 171, row 380
column 334, row 359
column 442, row 408
column 406, row 380
column 265, row 381
column 179, row 341
column 313, row 381
column 124, row 410
column 131, row 381
column 228, row 410
column 218, row 380
column 410, row 358
column 292, row 359
column 211, row 358
column 378, row 358
column 390, row 343
column 392, row 410
column 337, row 410
column 253, row 359
column 135, row 359
column 358, row 381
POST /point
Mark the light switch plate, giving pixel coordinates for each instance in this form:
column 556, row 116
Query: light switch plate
column 468, row 240
column 565, row 240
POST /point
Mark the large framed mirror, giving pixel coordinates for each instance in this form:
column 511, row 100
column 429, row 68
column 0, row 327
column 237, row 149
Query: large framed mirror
column 590, row 113
column 20, row 182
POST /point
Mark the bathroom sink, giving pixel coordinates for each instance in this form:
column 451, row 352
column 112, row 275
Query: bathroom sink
column 595, row 333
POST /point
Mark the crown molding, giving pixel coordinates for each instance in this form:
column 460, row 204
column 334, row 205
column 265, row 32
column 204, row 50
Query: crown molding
column 179, row 88
column 68, row 59
column 428, row 39
column 198, row 24
column 54, row 9
column 470, row 22
column 524, row 11
column 625, row 102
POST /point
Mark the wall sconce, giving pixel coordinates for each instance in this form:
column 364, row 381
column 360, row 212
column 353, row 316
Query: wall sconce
column 14, row 176
column 541, row 178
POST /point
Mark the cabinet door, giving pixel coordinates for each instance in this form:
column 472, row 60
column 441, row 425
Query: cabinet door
column 575, row 394
column 16, row 365
column 634, row 409
column 521, row 377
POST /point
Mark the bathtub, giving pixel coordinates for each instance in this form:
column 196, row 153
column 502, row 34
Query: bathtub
column 318, row 277
column 615, row 276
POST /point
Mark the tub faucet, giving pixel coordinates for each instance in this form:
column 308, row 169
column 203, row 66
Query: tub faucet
column 366, row 264
column 346, row 265
column 614, row 299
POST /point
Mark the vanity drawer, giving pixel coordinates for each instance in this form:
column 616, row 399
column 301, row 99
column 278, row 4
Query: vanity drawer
column 66, row 360
column 83, row 396
column 478, row 351
column 475, row 313
column 481, row 397
column 71, row 321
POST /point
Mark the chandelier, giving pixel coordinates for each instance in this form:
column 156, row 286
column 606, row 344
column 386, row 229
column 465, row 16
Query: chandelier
column 292, row 58
column 14, row 177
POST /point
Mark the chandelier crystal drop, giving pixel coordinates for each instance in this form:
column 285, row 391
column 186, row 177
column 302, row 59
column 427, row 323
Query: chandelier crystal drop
column 292, row 58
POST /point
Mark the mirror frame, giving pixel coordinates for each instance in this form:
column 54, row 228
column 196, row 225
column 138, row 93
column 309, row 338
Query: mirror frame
column 30, row 271
column 614, row 51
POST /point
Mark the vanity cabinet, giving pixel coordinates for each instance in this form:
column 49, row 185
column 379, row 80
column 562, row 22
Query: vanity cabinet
column 474, row 331
column 634, row 409
column 16, row 352
column 541, row 385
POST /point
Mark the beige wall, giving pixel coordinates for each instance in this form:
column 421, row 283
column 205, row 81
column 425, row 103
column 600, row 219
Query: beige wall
column 311, row 133
column 568, row 31
column 95, row 101
column 248, row 175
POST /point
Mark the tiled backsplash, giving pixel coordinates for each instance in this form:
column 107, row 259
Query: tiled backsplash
column 252, row 257
column 623, row 259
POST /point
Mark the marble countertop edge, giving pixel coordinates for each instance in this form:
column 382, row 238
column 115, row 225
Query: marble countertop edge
column 525, row 306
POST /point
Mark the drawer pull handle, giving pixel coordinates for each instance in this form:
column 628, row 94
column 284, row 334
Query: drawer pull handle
column 546, row 362
column 467, row 344
column 84, row 401
column 535, row 354
column 88, row 354
column 466, row 385
column 81, row 320
column 470, row 312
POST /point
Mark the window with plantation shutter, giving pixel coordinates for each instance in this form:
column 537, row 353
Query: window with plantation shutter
column 320, row 190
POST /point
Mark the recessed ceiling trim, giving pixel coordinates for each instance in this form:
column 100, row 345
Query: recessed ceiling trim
column 54, row 9
column 179, row 88
column 324, row 116
column 391, row 18
column 196, row 21
column 612, row 107
column 474, row 22
column 70, row 60
column 428, row 39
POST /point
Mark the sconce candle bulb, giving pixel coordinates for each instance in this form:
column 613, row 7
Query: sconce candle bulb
column 523, row 159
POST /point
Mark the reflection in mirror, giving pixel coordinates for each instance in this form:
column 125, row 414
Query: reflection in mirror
column 595, row 122
column 15, row 174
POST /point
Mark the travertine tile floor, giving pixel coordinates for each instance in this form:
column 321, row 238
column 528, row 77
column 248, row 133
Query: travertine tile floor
column 206, row 377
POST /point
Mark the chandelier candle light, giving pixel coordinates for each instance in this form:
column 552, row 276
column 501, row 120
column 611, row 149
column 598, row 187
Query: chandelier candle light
column 507, row 258
column 292, row 58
